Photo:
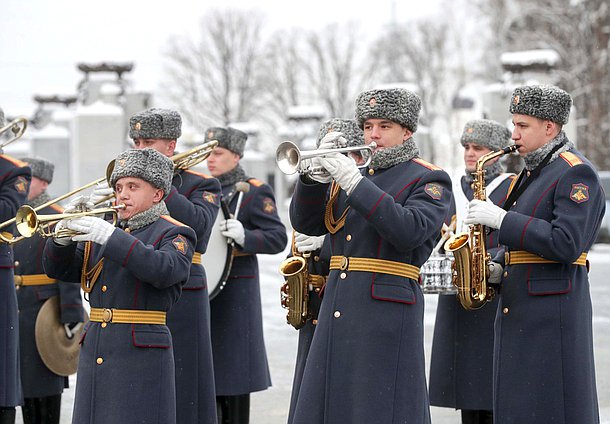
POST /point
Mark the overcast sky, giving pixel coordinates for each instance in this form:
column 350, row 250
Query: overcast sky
column 41, row 41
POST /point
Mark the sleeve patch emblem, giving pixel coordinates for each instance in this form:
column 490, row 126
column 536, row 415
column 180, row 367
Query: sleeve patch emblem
column 180, row 244
column 434, row 190
column 268, row 205
column 21, row 185
column 210, row 197
column 579, row 193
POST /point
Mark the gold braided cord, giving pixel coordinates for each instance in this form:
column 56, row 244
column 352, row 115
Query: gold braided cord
column 333, row 225
column 88, row 278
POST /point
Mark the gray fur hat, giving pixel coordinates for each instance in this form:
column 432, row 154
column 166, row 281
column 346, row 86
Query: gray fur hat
column 229, row 138
column 542, row 101
column 147, row 164
column 486, row 133
column 1, row 117
column 155, row 123
column 396, row 104
column 41, row 168
column 349, row 127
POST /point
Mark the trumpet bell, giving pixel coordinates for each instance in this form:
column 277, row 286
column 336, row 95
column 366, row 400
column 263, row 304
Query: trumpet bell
column 17, row 127
column 288, row 157
column 26, row 221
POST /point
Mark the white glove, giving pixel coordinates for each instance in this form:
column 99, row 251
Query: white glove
column 324, row 179
column 100, row 192
column 343, row 170
column 495, row 273
column 485, row 213
column 72, row 329
column 233, row 229
column 305, row 243
column 92, row 228
column 79, row 204
column 62, row 241
column 332, row 140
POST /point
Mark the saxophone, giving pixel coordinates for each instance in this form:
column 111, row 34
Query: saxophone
column 470, row 268
column 295, row 291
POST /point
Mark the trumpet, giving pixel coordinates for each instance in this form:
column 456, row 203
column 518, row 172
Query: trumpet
column 17, row 127
column 5, row 239
column 291, row 160
column 30, row 223
column 194, row 156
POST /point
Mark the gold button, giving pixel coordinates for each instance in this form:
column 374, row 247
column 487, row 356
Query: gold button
column 505, row 311
column 17, row 263
column 104, row 288
column 371, row 171
column 337, row 314
column 314, row 321
column 316, row 258
column 348, row 237
column 343, row 276
column 317, row 289
column 104, row 325
column 505, row 274
column 528, row 173
column 100, row 360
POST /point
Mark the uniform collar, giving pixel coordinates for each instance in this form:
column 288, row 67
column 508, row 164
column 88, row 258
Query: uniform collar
column 38, row 200
column 533, row 159
column 145, row 218
column 233, row 176
column 394, row 155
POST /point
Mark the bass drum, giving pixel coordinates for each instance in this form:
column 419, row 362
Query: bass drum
column 218, row 257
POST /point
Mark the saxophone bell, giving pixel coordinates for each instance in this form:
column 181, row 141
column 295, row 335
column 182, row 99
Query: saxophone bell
column 295, row 291
column 471, row 265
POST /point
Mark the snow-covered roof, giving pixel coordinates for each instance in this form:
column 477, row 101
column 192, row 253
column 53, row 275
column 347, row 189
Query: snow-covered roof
column 51, row 131
column 530, row 58
column 247, row 127
column 306, row 112
column 99, row 108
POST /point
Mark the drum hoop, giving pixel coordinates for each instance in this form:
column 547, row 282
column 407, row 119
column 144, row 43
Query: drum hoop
column 228, row 258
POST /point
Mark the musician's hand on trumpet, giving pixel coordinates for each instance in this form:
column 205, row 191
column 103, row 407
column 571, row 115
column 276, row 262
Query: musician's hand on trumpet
column 343, row 170
column 79, row 204
column 62, row 241
column 102, row 194
column 332, row 140
column 91, row 228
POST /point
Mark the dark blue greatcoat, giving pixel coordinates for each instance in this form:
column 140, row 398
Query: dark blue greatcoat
column 318, row 265
column 194, row 200
column 240, row 359
column 15, row 179
column 126, row 371
column 461, row 364
column 366, row 360
column 37, row 380
column 543, row 355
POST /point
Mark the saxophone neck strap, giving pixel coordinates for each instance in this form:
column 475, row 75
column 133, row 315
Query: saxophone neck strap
column 520, row 188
